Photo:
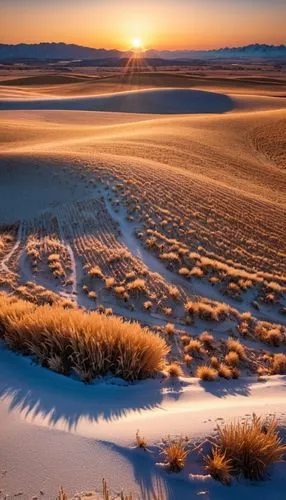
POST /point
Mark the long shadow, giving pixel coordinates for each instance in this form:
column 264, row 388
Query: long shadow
column 36, row 391
column 149, row 477
column 154, row 101
column 223, row 388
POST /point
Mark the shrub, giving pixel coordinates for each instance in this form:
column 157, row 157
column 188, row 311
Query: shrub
column 184, row 271
column 188, row 359
column 236, row 346
column 141, row 441
column 218, row 466
column 224, row 371
column 62, row 494
column 90, row 344
column 214, row 362
column 251, row 447
column 193, row 346
column 232, row 358
column 175, row 454
column 174, row 370
column 207, row 339
column 279, row 364
column 169, row 328
column 206, row 373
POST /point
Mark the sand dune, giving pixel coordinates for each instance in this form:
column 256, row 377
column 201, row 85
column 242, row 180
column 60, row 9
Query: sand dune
column 155, row 101
column 195, row 176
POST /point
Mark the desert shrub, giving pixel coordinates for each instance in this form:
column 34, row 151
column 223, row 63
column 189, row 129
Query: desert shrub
column 174, row 292
column 136, row 286
column 188, row 359
column 148, row 305
column 207, row 339
column 251, row 447
column 174, row 370
column 185, row 339
column 279, row 364
column 175, row 454
column 214, row 362
column 141, row 441
column 62, row 494
column 224, row 371
column 169, row 328
column 194, row 345
column 206, row 373
column 236, row 346
column 90, row 344
column 232, row 358
column 95, row 272
column 218, row 466
column 183, row 271
column 208, row 311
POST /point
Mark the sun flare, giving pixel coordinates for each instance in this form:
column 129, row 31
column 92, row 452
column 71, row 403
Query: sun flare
column 137, row 43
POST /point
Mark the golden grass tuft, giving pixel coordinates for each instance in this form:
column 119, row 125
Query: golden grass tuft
column 141, row 441
column 207, row 339
column 89, row 344
column 224, row 371
column 279, row 364
column 206, row 373
column 232, row 358
column 175, row 454
column 236, row 346
column 174, row 370
column 251, row 447
column 218, row 466
column 169, row 328
column 194, row 345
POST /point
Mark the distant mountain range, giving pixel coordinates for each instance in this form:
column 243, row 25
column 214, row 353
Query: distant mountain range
column 68, row 52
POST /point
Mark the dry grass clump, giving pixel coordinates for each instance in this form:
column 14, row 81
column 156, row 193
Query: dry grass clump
column 207, row 339
column 208, row 311
column 174, row 292
column 141, row 441
column 224, row 371
column 236, row 346
column 62, row 494
column 232, row 358
column 279, row 364
column 194, row 345
column 148, row 305
column 270, row 334
column 175, row 454
column 169, row 328
column 218, row 466
column 174, row 370
column 206, row 373
column 89, row 344
column 214, row 362
column 250, row 447
column 183, row 271
column 136, row 286
column 188, row 359
column 95, row 272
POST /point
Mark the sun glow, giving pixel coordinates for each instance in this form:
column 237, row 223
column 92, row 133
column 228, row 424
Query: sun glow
column 137, row 43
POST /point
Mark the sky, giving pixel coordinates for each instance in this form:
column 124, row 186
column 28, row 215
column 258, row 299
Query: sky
column 158, row 24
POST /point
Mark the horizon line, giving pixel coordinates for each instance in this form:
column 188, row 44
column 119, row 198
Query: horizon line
column 147, row 49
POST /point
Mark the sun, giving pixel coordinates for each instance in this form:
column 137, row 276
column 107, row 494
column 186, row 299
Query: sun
column 137, row 43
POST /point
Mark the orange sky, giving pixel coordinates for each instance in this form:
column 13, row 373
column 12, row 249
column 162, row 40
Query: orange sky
column 162, row 24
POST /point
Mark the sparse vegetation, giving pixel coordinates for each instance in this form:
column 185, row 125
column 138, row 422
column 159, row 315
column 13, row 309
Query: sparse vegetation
column 249, row 448
column 88, row 344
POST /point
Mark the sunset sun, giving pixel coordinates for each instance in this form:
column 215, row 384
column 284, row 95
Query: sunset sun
column 137, row 43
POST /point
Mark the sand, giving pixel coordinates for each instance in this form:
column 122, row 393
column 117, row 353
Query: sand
column 216, row 160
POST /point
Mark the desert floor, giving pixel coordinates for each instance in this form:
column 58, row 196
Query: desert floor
column 174, row 180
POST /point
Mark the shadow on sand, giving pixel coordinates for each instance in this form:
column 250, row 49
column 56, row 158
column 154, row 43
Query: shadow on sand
column 37, row 391
column 154, row 101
